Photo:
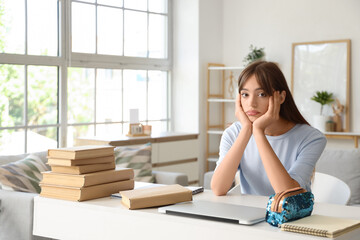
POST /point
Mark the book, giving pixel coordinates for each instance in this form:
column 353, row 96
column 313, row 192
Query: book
column 81, row 152
column 155, row 196
column 323, row 226
column 87, row 179
column 194, row 189
column 84, row 193
column 81, row 169
column 79, row 162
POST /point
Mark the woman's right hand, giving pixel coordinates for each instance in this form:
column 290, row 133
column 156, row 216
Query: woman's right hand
column 240, row 114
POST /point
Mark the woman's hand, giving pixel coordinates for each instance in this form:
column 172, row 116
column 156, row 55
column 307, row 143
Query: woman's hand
column 240, row 114
column 272, row 114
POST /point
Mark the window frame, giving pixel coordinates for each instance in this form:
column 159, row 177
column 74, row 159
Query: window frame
column 66, row 59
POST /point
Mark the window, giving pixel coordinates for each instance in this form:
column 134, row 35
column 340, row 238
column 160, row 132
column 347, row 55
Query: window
column 59, row 81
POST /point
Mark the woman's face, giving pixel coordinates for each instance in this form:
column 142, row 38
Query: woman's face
column 254, row 100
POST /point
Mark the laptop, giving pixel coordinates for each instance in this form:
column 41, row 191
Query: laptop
column 217, row 211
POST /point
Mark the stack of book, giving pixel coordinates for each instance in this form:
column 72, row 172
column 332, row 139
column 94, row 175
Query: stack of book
column 83, row 173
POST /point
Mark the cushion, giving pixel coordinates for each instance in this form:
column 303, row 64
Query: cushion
column 137, row 158
column 23, row 175
column 5, row 159
column 345, row 165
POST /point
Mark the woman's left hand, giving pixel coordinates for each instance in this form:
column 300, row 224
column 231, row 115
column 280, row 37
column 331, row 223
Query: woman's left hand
column 272, row 114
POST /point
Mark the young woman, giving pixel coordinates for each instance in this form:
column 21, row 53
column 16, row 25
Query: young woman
column 272, row 145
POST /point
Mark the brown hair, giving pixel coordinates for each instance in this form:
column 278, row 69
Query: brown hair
column 270, row 78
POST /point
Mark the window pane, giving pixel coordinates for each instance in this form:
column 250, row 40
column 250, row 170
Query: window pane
column 157, row 36
column 12, row 26
column 136, row 4
column 42, row 27
column 12, row 99
column 110, row 32
column 41, row 139
column 81, row 84
column 157, row 95
column 134, row 93
column 114, row 130
column 12, row 141
column 89, row 1
column 116, row 3
column 158, row 126
column 75, row 132
column 83, row 28
column 108, row 95
column 42, row 95
column 159, row 6
column 135, row 34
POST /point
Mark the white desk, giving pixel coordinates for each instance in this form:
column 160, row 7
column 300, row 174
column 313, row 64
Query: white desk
column 107, row 218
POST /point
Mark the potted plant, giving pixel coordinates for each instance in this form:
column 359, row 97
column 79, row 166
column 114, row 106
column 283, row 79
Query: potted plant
column 255, row 54
column 324, row 98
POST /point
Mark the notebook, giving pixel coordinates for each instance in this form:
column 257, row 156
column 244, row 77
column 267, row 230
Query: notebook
column 217, row 211
column 323, row 226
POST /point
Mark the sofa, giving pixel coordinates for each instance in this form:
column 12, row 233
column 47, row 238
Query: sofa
column 16, row 208
column 341, row 163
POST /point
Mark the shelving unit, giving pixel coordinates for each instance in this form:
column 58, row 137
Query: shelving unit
column 219, row 99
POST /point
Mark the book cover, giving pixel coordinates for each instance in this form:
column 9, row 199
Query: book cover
column 79, row 162
column 155, row 196
column 84, row 193
column 87, row 179
column 81, row 152
column 81, row 169
column 323, row 226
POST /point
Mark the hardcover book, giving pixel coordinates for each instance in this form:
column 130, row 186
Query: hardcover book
column 81, row 169
column 155, row 196
column 87, row 179
column 81, row 152
column 85, row 193
column 78, row 162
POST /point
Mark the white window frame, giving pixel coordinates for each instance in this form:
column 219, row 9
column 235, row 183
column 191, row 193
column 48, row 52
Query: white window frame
column 67, row 59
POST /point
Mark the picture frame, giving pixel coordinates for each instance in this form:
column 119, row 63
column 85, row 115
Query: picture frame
column 138, row 130
column 321, row 66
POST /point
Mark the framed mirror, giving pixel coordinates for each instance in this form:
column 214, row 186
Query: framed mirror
column 321, row 66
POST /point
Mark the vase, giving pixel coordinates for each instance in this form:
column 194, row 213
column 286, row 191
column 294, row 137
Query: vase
column 320, row 122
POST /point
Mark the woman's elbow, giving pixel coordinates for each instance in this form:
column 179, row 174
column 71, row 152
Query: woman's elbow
column 219, row 193
column 217, row 190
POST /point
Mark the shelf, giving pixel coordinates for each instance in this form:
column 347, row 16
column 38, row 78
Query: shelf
column 212, row 159
column 226, row 68
column 217, row 97
column 344, row 135
column 217, row 132
column 221, row 100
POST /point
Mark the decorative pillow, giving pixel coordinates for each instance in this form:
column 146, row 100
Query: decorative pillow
column 137, row 158
column 345, row 165
column 23, row 175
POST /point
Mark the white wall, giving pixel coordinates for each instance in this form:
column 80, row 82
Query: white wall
column 276, row 24
column 185, row 76
column 197, row 27
column 222, row 31
column 210, row 50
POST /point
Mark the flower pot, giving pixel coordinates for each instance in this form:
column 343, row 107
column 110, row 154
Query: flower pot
column 320, row 122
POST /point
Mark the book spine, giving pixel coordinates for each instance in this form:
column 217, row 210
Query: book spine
column 105, row 190
column 108, row 176
column 154, row 201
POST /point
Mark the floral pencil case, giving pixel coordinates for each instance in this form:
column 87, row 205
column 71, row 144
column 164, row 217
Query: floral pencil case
column 289, row 205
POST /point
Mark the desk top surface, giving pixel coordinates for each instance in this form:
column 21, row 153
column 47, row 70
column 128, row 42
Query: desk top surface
column 111, row 209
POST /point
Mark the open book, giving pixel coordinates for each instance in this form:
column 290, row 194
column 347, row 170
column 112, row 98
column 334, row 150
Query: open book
column 323, row 226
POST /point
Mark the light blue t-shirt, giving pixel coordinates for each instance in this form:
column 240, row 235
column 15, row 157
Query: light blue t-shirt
column 298, row 150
